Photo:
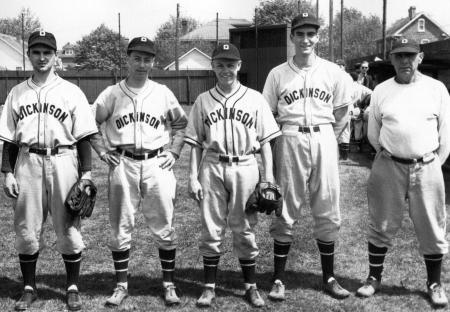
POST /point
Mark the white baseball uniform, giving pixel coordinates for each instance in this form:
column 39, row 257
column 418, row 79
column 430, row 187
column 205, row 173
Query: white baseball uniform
column 409, row 128
column 305, row 156
column 142, row 123
column 48, row 120
column 231, row 130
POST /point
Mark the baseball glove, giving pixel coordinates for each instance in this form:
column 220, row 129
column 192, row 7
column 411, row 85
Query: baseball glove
column 259, row 200
column 81, row 199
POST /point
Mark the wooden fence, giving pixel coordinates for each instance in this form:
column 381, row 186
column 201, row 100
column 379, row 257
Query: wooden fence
column 186, row 87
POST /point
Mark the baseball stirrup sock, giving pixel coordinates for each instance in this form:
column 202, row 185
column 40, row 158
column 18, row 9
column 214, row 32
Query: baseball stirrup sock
column 433, row 264
column 28, row 268
column 167, row 258
column 248, row 270
column 326, row 250
column 72, row 263
column 376, row 260
column 121, row 259
column 280, row 253
column 210, row 265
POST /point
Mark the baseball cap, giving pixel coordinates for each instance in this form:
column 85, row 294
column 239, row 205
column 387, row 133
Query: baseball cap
column 141, row 44
column 226, row 51
column 405, row 45
column 42, row 37
column 304, row 19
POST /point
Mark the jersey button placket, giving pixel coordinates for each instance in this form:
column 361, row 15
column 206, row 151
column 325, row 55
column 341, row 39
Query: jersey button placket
column 137, row 125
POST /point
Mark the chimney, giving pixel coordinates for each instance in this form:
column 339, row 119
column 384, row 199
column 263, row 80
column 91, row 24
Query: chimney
column 184, row 26
column 412, row 12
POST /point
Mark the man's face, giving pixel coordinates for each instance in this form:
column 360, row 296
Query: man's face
column 226, row 70
column 364, row 68
column 304, row 39
column 405, row 65
column 140, row 64
column 42, row 58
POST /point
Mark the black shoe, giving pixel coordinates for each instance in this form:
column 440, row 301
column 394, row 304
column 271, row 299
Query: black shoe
column 25, row 301
column 73, row 300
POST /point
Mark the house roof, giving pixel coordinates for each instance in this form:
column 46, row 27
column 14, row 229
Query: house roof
column 208, row 30
column 11, row 55
column 13, row 43
column 401, row 24
column 193, row 50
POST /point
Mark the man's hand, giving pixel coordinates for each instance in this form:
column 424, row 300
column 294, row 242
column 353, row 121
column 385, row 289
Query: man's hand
column 11, row 187
column 111, row 158
column 195, row 189
column 169, row 159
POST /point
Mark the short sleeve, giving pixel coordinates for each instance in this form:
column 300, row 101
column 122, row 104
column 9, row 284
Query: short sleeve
column 195, row 132
column 343, row 91
column 82, row 116
column 267, row 127
column 8, row 121
column 270, row 92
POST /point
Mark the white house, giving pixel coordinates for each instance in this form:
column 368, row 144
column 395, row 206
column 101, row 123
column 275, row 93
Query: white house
column 194, row 59
column 11, row 57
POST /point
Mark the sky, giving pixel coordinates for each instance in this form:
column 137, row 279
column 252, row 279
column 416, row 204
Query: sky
column 70, row 20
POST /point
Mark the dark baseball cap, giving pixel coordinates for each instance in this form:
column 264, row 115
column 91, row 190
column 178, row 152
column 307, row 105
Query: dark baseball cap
column 141, row 44
column 42, row 37
column 226, row 51
column 405, row 45
column 305, row 19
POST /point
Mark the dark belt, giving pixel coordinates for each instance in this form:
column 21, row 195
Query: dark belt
column 228, row 159
column 50, row 151
column 407, row 161
column 308, row 129
column 139, row 156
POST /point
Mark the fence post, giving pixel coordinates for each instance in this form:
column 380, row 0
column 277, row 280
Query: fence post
column 188, row 87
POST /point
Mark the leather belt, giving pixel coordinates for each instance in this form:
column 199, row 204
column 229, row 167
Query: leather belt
column 228, row 159
column 139, row 156
column 308, row 129
column 50, row 151
column 407, row 161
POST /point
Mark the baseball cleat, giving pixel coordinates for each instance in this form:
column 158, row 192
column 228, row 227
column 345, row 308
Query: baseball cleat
column 119, row 294
column 370, row 287
column 73, row 300
column 25, row 301
column 207, row 297
column 437, row 295
column 277, row 293
column 253, row 297
column 170, row 295
column 335, row 290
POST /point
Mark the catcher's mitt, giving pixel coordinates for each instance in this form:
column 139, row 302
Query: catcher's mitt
column 81, row 199
column 260, row 202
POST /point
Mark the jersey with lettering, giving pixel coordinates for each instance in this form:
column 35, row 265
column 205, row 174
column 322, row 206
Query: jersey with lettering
column 307, row 97
column 235, row 125
column 55, row 114
column 141, row 121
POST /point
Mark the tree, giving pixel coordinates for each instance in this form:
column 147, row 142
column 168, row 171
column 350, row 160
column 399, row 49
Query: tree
column 165, row 40
column 100, row 50
column 13, row 26
column 272, row 12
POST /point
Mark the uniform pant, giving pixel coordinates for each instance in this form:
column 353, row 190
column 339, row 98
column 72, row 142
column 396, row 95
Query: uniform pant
column 226, row 188
column 44, row 182
column 307, row 163
column 135, row 183
column 391, row 186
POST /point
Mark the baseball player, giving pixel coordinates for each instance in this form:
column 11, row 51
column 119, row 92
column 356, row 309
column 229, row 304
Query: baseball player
column 409, row 128
column 230, row 123
column 45, row 126
column 139, row 116
column 309, row 97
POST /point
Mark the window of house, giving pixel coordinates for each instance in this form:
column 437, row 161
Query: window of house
column 421, row 25
column 69, row 52
column 424, row 41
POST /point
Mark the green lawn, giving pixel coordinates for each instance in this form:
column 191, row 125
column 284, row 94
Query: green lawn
column 403, row 283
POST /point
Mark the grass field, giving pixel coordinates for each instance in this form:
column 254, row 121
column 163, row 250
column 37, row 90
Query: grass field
column 403, row 279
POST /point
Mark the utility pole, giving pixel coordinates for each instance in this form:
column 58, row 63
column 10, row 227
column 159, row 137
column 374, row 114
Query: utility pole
column 330, row 34
column 120, row 50
column 342, row 29
column 23, row 41
column 384, row 28
column 217, row 29
column 177, row 68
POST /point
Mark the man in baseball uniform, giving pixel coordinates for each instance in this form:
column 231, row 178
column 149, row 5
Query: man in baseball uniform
column 139, row 116
column 309, row 97
column 45, row 126
column 409, row 128
column 229, row 123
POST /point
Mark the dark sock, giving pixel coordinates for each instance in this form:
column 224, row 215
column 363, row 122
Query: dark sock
column 248, row 270
column 280, row 253
column 376, row 260
column 210, row 269
column 121, row 259
column 167, row 258
column 326, row 250
column 28, row 268
column 72, row 263
column 433, row 264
